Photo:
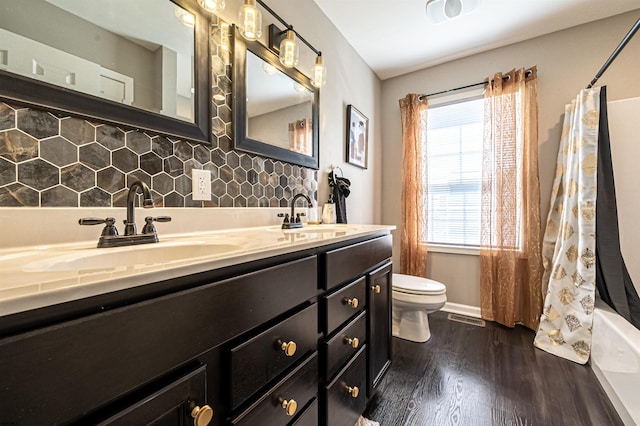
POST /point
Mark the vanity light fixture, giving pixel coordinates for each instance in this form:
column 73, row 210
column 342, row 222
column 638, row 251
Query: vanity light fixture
column 319, row 72
column 185, row 17
column 289, row 51
column 250, row 20
column 285, row 44
column 212, row 6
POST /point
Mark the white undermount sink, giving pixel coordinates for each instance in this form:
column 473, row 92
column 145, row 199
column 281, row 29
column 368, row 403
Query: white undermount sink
column 130, row 256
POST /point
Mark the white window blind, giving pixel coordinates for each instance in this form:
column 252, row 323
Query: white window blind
column 454, row 173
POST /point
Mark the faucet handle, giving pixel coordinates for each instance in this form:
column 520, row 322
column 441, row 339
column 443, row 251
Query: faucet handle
column 109, row 228
column 149, row 227
column 298, row 215
column 286, row 217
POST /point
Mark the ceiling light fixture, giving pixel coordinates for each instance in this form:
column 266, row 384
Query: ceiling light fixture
column 250, row 20
column 444, row 10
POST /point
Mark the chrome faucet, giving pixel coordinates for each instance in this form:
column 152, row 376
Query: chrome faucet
column 147, row 203
column 291, row 223
column 110, row 237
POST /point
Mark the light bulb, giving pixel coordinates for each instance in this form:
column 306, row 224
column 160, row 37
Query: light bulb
column 212, row 6
column 250, row 20
column 299, row 87
column 289, row 50
column 319, row 73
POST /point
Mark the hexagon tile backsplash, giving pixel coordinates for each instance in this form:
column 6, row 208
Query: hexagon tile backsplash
column 51, row 161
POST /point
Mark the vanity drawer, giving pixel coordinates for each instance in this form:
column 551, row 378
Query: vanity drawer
column 299, row 386
column 343, row 304
column 259, row 360
column 345, row 396
column 347, row 263
column 126, row 348
column 309, row 417
column 343, row 344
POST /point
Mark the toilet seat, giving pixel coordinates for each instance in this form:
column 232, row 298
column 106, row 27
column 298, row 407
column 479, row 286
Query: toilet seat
column 407, row 284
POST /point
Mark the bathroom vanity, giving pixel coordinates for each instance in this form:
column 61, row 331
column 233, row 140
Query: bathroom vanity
column 294, row 328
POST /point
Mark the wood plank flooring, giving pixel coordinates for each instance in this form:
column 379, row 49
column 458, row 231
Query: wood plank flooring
column 469, row 375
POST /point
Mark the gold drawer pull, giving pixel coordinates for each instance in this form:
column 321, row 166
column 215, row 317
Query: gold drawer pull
column 289, row 348
column 375, row 289
column 353, row 391
column 353, row 302
column 202, row 415
column 354, row 343
column 290, row 407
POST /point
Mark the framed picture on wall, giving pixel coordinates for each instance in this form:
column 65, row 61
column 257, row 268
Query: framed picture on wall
column 357, row 137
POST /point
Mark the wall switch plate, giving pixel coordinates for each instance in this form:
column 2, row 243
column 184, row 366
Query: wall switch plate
column 201, row 184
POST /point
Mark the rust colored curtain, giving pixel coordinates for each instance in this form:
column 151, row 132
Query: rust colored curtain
column 300, row 136
column 510, row 238
column 413, row 251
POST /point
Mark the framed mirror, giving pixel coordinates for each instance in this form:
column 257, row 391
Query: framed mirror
column 275, row 109
column 140, row 64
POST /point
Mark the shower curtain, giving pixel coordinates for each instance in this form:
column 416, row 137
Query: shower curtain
column 576, row 258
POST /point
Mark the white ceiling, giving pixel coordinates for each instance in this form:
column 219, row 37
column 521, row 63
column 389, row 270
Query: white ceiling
column 395, row 37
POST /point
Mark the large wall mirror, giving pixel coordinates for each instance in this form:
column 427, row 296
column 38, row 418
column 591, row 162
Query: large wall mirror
column 142, row 64
column 275, row 109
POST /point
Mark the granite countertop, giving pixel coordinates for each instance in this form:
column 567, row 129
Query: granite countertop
column 38, row 276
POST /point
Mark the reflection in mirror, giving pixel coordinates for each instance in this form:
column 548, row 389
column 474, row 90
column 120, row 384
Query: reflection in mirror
column 273, row 98
column 275, row 110
column 122, row 56
column 141, row 63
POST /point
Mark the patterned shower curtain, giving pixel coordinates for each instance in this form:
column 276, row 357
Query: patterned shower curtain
column 569, row 242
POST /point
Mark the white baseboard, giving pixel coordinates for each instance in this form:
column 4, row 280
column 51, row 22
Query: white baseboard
column 457, row 308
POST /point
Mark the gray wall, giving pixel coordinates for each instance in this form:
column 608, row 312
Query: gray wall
column 567, row 61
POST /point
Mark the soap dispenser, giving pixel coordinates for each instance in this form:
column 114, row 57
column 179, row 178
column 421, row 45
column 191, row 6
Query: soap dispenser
column 329, row 211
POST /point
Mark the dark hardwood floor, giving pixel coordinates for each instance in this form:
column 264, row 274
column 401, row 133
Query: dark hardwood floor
column 469, row 375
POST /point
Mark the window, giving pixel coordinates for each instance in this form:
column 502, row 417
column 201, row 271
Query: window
column 454, row 173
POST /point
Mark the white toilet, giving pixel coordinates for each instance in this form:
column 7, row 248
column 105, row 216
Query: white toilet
column 413, row 299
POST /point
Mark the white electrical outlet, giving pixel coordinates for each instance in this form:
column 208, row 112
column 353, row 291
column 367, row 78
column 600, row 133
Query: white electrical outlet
column 201, row 184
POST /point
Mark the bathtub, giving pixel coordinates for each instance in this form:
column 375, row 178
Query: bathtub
column 615, row 359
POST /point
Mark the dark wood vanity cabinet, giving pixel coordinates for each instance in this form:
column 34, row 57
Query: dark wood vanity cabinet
column 278, row 341
column 356, row 320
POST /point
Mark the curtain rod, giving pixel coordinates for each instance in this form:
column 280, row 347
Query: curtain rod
column 615, row 53
column 527, row 73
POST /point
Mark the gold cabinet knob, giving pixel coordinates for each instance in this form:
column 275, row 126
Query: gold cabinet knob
column 202, row 415
column 354, row 343
column 353, row 391
column 289, row 348
column 353, row 302
column 375, row 288
column 290, row 407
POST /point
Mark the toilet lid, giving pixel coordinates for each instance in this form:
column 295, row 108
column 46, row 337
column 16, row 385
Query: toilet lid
column 417, row 285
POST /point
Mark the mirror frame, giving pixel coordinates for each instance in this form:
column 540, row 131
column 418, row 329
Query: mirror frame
column 30, row 92
column 241, row 141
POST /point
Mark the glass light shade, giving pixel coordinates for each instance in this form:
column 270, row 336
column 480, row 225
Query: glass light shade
column 289, row 50
column 212, row 6
column 224, row 36
column 268, row 68
column 185, row 17
column 250, row 20
column 319, row 73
